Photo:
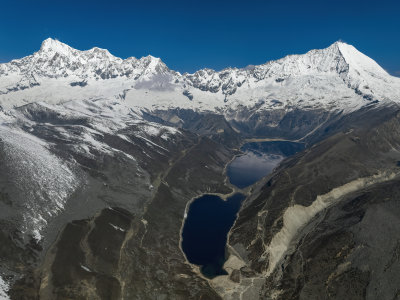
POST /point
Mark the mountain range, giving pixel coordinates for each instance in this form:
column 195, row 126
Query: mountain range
column 336, row 78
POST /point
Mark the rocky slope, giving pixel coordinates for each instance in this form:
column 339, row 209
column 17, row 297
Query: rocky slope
column 321, row 226
column 65, row 162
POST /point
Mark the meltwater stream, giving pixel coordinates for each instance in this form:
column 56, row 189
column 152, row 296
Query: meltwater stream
column 210, row 218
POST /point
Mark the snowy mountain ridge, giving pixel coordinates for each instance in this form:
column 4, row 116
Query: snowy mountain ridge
column 335, row 78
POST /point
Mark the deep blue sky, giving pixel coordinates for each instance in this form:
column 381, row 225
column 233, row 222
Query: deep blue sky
column 193, row 34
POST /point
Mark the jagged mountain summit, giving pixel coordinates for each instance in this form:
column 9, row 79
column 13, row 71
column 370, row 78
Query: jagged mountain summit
column 336, row 78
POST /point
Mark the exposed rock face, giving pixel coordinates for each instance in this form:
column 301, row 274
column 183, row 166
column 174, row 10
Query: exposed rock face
column 113, row 162
column 58, row 60
column 350, row 253
column 117, row 254
column 306, row 231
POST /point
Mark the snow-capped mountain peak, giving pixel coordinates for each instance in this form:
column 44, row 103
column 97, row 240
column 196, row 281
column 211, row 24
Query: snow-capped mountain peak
column 53, row 45
column 357, row 60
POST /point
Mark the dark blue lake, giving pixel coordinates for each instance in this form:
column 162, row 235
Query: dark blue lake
column 205, row 231
column 210, row 218
column 259, row 160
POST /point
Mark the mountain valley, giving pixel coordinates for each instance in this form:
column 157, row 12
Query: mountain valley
column 101, row 158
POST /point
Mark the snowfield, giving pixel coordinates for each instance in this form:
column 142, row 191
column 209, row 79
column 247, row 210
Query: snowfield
column 3, row 290
column 29, row 158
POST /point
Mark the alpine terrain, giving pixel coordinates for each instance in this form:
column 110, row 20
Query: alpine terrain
column 101, row 157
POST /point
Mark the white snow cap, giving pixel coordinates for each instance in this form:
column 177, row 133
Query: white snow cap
column 55, row 45
column 4, row 287
column 358, row 59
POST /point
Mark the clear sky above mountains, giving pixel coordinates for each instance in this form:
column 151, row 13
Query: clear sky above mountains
column 194, row 34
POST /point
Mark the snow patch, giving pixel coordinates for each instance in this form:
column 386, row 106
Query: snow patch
column 117, row 227
column 44, row 181
column 150, row 143
column 4, row 288
column 86, row 268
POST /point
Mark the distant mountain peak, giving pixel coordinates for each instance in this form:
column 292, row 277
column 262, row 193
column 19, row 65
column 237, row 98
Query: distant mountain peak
column 55, row 45
column 339, row 56
column 340, row 42
column 51, row 45
column 359, row 60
